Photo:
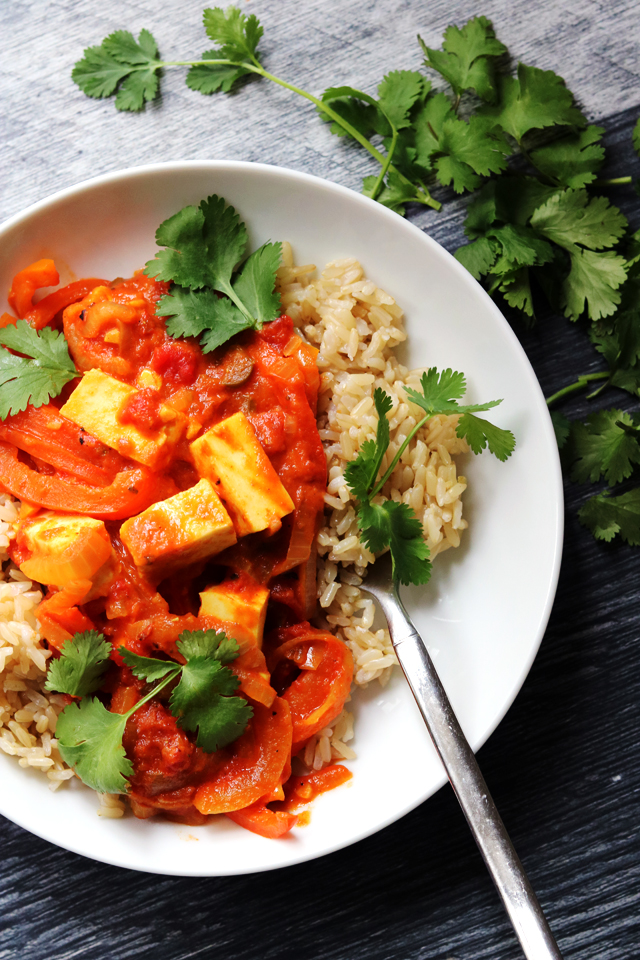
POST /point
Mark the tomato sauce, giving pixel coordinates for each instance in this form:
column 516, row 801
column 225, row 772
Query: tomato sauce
column 298, row 682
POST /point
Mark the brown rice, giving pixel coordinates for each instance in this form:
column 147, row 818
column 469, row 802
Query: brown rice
column 356, row 327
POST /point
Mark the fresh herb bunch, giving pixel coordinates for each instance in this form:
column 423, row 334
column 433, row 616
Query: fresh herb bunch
column 526, row 152
column 385, row 523
column 203, row 246
column 202, row 701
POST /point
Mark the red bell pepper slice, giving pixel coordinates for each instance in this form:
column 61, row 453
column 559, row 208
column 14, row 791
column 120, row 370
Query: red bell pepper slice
column 45, row 434
column 259, row 819
column 42, row 273
column 324, row 668
column 255, row 762
column 131, row 492
column 44, row 311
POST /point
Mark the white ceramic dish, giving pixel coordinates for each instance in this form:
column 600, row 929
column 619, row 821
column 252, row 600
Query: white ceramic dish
column 483, row 614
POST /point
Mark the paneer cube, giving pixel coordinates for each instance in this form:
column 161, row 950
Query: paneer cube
column 242, row 602
column 188, row 527
column 232, row 457
column 95, row 404
column 57, row 548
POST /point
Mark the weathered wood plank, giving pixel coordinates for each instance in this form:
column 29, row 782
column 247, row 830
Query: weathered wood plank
column 564, row 765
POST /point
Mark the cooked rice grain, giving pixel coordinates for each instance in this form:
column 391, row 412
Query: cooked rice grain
column 356, row 326
column 28, row 714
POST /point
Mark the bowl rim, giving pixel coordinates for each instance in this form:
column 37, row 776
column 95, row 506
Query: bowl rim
column 181, row 166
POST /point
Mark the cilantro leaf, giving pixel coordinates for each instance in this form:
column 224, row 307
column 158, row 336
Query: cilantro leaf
column 478, row 257
column 365, row 117
column 202, row 248
column 636, row 137
column 121, row 64
column 593, row 280
column 362, row 473
column 394, row 194
column 37, row 376
column 148, row 668
column 569, row 217
column 601, row 447
column 208, row 78
column 573, row 160
column 90, row 741
column 398, row 92
column 520, row 246
column 409, row 552
column 470, row 151
column 238, row 37
column 428, row 125
column 605, row 516
column 138, row 88
column 561, row 427
column 441, row 392
column 183, row 260
column 515, row 287
column 356, row 107
column 534, row 100
column 255, row 285
column 79, row 669
column 480, row 433
column 90, row 736
column 98, row 74
column 208, row 643
column 191, row 313
column 506, row 200
column 386, row 523
column 237, row 34
column 203, row 699
column 466, row 60
column 395, row 525
column 460, row 152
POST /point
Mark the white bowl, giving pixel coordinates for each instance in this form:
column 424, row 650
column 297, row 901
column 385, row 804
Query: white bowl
column 483, row 614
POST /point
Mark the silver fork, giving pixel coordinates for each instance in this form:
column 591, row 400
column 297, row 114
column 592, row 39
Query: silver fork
column 463, row 771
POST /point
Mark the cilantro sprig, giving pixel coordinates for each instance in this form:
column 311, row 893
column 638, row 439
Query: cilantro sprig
column 515, row 139
column 203, row 247
column 41, row 371
column 385, row 523
column 90, row 736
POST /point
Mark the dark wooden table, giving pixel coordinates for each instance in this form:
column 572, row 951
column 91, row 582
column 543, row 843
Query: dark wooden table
column 564, row 765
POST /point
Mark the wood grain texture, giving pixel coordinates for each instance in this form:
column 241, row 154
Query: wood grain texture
column 564, row 765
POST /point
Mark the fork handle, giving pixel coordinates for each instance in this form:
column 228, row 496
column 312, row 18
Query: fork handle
column 469, row 786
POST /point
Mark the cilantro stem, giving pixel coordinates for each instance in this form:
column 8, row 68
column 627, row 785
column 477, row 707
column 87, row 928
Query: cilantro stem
column 580, row 384
column 378, row 487
column 614, row 182
column 155, row 690
column 385, row 166
column 362, row 140
column 422, row 196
